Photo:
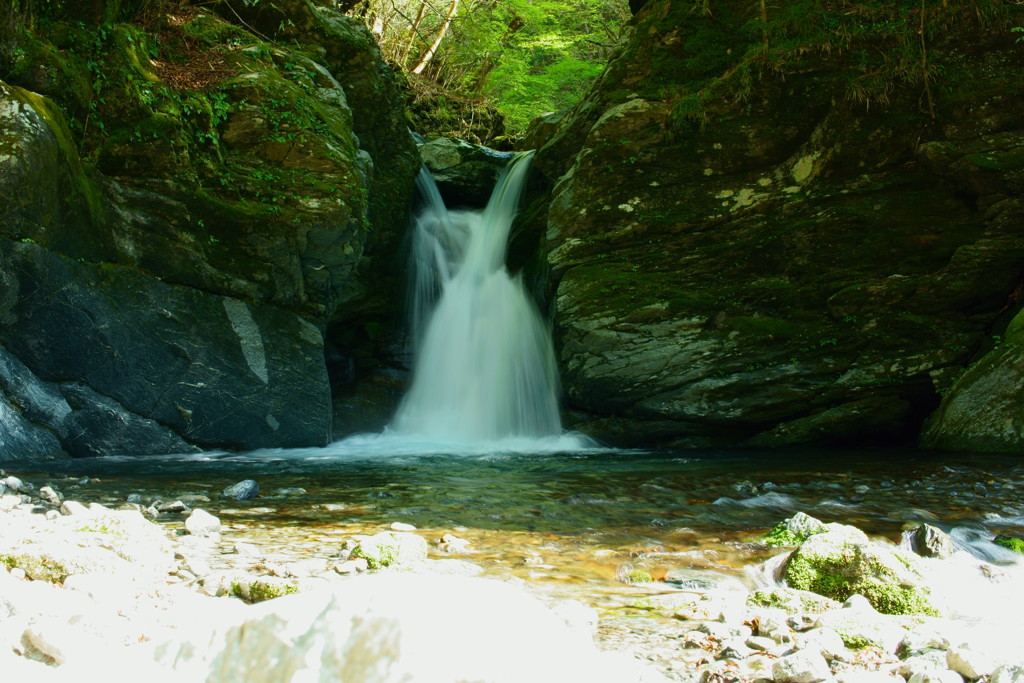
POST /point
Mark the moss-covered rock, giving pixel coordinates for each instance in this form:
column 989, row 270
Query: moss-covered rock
column 791, row 600
column 191, row 157
column 388, row 549
column 743, row 246
column 262, row 588
column 842, row 562
column 795, row 530
column 1011, row 543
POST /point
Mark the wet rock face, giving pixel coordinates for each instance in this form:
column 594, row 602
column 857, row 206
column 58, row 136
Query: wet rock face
column 171, row 269
column 984, row 409
column 787, row 267
column 144, row 356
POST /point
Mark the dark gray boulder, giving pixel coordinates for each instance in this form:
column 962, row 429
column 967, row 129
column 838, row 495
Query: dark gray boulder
column 31, row 412
column 216, row 370
column 101, row 426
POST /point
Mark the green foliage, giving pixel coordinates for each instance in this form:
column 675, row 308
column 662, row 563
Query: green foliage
column 526, row 57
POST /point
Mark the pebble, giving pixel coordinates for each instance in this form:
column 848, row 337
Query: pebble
column 402, row 526
column 50, row 495
column 172, row 507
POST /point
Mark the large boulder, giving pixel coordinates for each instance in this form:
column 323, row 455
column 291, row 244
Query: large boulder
column 215, row 369
column 749, row 241
column 842, row 562
column 465, row 173
column 186, row 221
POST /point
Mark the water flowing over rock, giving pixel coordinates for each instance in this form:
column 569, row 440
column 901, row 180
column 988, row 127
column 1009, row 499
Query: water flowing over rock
column 465, row 174
column 739, row 255
column 484, row 366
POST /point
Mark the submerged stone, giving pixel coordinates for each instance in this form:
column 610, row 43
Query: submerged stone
column 243, row 490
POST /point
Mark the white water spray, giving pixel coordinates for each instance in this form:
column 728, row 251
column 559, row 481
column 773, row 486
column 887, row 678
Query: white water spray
column 485, row 368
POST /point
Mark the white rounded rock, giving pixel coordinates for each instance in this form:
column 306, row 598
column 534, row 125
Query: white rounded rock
column 202, row 523
column 802, row 666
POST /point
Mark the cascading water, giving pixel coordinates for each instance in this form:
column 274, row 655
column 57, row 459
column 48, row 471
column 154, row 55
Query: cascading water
column 484, row 365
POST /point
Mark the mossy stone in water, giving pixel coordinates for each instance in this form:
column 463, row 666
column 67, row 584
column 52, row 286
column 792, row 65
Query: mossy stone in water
column 1011, row 543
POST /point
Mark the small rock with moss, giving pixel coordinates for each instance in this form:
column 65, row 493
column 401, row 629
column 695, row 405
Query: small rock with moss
column 1011, row 543
column 860, row 626
column 390, row 548
column 260, row 589
column 795, row 530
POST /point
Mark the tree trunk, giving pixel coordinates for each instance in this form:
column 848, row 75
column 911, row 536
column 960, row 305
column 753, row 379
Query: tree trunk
column 440, row 36
column 413, row 31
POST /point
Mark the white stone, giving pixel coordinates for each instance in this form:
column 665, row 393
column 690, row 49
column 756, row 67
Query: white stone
column 928, row 636
column 9, row 502
column 936, row 676
column 449, row 543
column 17, row 485
column 352, row 566
column 402, row 526
column 73, row 508
column 922, row 663
column 801, row 667
column 824, row 641
column 49, row 495
column 858, row 621
column 202, row 523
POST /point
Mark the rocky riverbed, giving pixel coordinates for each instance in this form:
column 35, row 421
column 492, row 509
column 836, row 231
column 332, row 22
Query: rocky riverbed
column 186, row 589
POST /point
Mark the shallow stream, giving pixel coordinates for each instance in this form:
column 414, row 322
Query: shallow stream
column 584, row 517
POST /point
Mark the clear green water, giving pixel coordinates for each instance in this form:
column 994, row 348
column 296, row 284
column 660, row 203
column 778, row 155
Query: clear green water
column 614, row 497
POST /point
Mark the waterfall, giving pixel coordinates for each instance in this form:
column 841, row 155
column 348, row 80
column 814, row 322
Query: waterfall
column 484, row 366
